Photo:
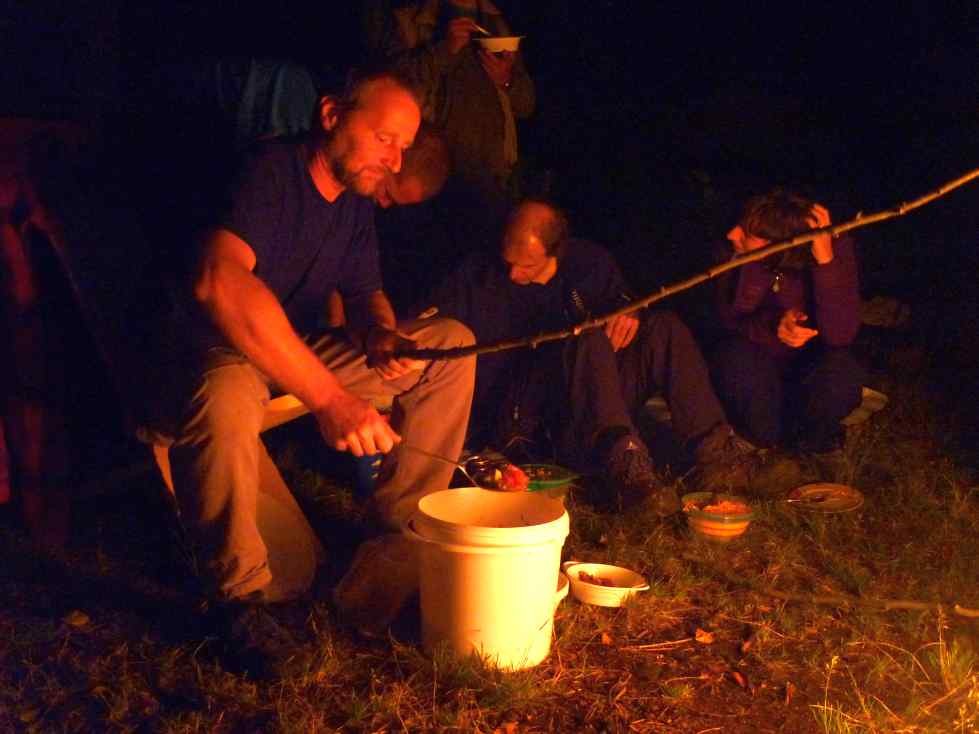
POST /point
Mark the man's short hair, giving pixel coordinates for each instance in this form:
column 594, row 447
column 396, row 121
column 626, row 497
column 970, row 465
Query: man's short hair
column 553, row 231
column 777, row 215
column 359, row 85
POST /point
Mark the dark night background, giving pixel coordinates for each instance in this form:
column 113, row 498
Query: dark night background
column 656, row 120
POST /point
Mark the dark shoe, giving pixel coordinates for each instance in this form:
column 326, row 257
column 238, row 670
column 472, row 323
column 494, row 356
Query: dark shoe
column 381, row 580
column 725, row 461
column 778, row 472
column 249, row 639
column 629, row 466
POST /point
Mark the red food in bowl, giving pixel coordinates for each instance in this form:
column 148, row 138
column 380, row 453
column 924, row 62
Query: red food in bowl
column 513, row 479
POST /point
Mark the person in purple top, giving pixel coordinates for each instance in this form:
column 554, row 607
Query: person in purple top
column 784, row 369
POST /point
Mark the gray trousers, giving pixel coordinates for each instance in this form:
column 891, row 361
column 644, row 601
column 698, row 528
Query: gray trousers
column 217, row 454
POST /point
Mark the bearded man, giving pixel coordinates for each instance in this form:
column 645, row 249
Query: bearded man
column 300, row 225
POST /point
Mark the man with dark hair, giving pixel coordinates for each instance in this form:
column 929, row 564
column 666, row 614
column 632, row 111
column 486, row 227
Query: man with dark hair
column 588, row 391
column 784, row 370
column 300, row 226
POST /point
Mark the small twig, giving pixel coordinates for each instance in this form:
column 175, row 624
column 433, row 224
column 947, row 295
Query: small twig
column 860, row 220
column 928, row 707
column 658, row 645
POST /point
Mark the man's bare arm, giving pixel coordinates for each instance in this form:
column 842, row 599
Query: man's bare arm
column 253, row 321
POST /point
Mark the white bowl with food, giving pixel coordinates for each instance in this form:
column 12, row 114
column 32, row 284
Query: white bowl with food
column 603, row 584
column 497, row 44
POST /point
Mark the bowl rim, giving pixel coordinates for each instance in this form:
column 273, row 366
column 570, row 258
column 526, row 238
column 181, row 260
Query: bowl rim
column 488, row 41
column 535, row 485
column 725, row 516
column 568, row 566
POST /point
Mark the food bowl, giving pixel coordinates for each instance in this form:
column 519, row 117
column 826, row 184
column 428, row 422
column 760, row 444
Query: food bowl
column 717, row 517
column 603, row 585
column 549, row 479
column 496, row 44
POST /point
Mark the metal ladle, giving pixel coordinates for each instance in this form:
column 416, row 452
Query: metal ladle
column 477, row 462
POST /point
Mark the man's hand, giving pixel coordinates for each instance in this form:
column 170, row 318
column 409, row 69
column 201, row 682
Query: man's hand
column 499, row 67
column 380, row 346
column 348, row 423
column 459, row 33
column 621, row 330
column 822, row 246
column 790, row 332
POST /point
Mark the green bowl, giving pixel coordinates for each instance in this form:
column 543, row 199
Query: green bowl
column 719, row 526
column 547, row 476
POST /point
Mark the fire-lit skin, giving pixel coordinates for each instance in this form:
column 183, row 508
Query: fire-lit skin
column 790, row 329
column 365, row 145
column 528, row 261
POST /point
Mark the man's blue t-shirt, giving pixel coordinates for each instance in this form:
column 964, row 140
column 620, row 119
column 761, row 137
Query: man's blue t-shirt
column 305, row 246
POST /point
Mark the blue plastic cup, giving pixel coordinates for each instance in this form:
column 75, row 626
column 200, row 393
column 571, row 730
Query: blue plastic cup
column 366, row 469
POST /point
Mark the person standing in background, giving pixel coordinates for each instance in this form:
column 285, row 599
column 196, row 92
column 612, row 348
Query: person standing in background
column 472, row 96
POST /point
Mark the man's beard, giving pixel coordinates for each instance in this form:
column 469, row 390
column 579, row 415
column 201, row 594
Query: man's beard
column 354, row 180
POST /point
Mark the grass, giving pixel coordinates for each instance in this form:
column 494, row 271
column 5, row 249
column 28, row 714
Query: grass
column 91, row 637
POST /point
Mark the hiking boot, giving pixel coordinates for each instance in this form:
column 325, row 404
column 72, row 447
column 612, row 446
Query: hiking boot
column 631, row 468
column 381, row 579
column 777, row 472
column 725, row 461
column 250, row 640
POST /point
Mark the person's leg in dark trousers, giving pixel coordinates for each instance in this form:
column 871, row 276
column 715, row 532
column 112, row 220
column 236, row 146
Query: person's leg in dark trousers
column 749, row 383
column 599, row 426
column 665, row 357
column 594, row 404
column 831, row 384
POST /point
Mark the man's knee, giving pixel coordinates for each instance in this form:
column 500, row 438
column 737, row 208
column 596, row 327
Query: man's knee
column 589, row 342
column 442, row 333
column 664, row 322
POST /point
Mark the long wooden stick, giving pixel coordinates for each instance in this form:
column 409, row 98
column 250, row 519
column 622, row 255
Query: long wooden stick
column 861, row 220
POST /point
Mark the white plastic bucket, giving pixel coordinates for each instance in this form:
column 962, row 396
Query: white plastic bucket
column 490, row 589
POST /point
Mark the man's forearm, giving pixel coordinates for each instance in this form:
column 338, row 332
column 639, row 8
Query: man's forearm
column 380, row 312
column 252, row 320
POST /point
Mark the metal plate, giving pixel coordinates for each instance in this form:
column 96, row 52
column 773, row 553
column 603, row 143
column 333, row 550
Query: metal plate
column 825, row 497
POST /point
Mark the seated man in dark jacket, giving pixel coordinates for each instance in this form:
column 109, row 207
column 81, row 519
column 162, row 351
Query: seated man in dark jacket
column 784, row 370
column 588, row 391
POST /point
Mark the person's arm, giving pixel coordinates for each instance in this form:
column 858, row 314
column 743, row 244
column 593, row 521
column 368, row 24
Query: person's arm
column 523, row 93
column 427, row 61
column 836, row 295
column 603, row 289
column 382, row 339
column 252, row 320
column 738, row 301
